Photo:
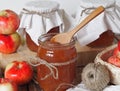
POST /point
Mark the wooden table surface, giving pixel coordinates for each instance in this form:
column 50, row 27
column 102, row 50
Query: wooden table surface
column 31, row 86
column 85, row 55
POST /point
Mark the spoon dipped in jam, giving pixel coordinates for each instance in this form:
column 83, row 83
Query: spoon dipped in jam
column 66, row 37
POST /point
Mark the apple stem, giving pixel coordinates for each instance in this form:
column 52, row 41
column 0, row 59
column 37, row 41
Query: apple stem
column 19, row 66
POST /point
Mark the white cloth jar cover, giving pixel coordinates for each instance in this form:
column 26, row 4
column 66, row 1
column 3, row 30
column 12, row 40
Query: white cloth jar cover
column 108, row 20
column 38, row 17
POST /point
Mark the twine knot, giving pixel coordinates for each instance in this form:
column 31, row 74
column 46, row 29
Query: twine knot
column 90, row 9
column 44, row 14
column 51, row 66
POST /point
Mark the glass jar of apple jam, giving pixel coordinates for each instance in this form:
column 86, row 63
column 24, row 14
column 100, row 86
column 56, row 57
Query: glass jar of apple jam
column 57, row 68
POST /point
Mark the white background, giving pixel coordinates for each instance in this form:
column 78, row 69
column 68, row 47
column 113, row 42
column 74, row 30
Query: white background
column 69, row 6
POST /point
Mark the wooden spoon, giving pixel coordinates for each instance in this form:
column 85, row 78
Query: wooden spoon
column 64, row 38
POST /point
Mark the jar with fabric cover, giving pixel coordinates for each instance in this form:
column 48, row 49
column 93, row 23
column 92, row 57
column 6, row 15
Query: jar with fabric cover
column 40, row 17
column 56, row 70
column 100, row 31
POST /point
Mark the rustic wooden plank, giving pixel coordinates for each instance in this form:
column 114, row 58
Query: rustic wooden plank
column 78, row 74
column 85, row 56
column 33, row 86
column 87, row 48
column 23, row 88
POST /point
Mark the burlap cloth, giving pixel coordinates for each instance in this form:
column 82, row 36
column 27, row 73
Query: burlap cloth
column 23, row 53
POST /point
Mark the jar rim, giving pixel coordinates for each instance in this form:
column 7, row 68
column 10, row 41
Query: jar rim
column 48, row 36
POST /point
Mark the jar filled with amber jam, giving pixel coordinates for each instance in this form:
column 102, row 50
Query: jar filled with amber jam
column 56, row 71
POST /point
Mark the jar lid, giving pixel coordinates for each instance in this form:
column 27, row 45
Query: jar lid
column 42, row 6
column 96, row 3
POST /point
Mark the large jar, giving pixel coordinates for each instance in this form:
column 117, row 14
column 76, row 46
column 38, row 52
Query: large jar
column 56, row 71
column 100, row 31
column 40, row 17
column 102, row 41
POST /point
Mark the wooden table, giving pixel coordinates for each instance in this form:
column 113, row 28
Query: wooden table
column 85, row 55
column 30, row 87
column 33, row 86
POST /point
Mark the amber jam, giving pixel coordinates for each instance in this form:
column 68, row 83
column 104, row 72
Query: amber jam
column 106, row 39
column 58, row 64
column 31, row 44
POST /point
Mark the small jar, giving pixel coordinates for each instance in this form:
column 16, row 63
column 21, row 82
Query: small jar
column 40, row 17
column 31, row 44
column 57, row 69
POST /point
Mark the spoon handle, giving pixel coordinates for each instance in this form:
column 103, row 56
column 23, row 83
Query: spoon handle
column 92, row 15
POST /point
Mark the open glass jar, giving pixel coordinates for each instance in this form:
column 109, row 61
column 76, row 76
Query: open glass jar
column 57, row 68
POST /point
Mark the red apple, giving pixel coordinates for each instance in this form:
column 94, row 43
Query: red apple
column 9, row 21
column 119, row 45
column 9, row 43
column 116, row 50
column 114, row 60
column 19, row 71
column 7, row 85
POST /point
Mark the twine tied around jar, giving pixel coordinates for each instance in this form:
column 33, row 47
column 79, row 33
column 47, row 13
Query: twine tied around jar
column 64, row 84
column 90, row 9
column 51, row 66
column 44, row 14
column 53, row 69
